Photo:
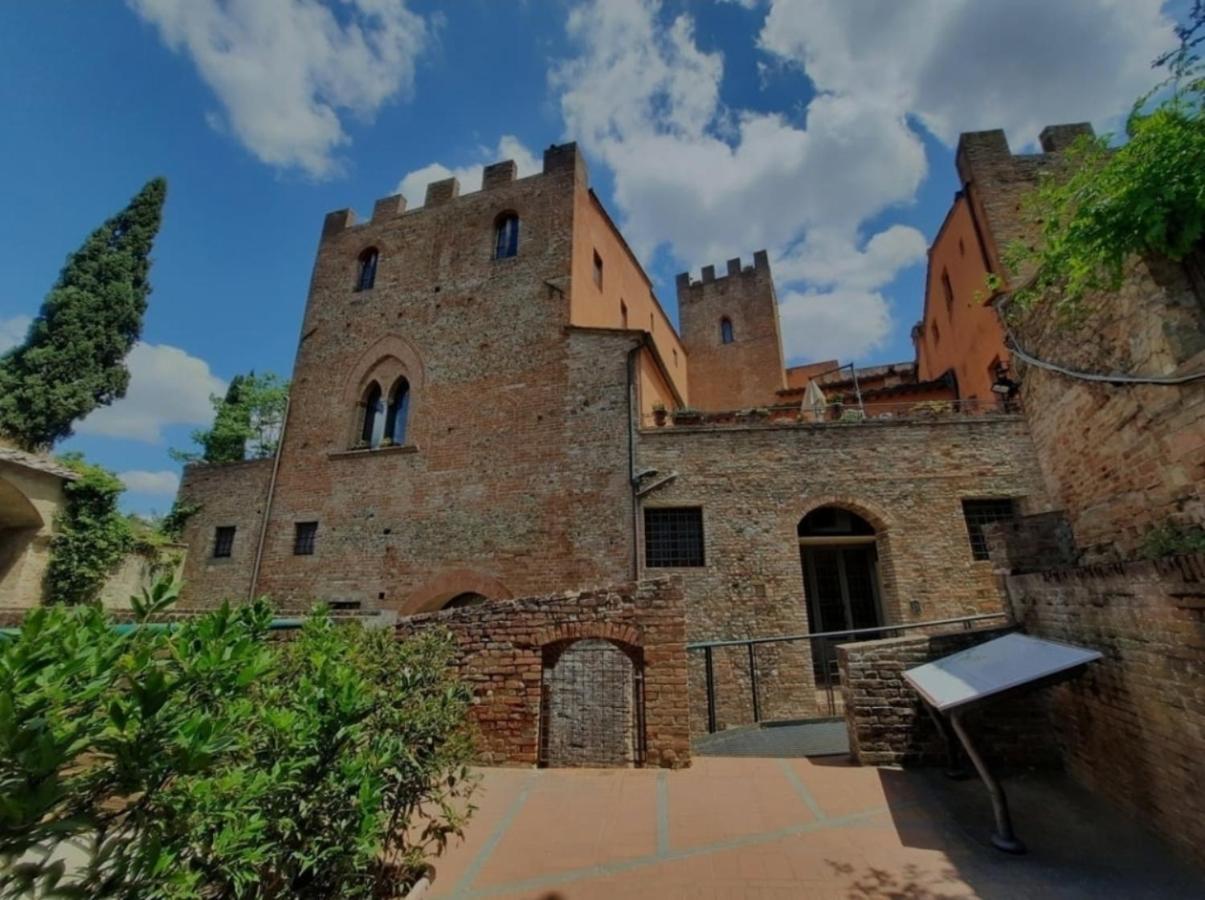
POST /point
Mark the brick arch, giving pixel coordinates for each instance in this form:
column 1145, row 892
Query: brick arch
column 431, row 596
column 389, row 358
column 879, row 520
column 628, row 637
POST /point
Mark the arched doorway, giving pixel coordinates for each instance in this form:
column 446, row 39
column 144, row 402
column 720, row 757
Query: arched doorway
column 838, row 551
column 591, row 704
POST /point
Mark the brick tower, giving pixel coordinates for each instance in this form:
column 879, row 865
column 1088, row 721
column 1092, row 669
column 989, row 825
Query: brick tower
column 731, row 333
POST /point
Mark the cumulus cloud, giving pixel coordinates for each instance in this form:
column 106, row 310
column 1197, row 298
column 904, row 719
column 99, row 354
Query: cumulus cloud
column 12, row 331
column 167, row 387
column 413, row 185
column 712, row 182
column 709, row 181
column 163, row 483
column 286, row 72
column 966, row 65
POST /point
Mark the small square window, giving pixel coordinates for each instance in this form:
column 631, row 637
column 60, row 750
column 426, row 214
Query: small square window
column 983, row 512
column 673, row 537
column 223, row 541
column 303, row 538
column 597, row 270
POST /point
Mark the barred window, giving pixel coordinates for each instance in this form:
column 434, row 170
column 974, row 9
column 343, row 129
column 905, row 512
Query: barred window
column 673, row 536
column 983, row 512
column 223, row 541
column 303, row 538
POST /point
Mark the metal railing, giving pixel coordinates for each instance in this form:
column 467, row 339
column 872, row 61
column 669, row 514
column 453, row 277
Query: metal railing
column 829, row 413
column 825, row 677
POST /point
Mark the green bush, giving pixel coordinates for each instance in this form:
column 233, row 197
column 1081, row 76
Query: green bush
column 1171, row 539
column 202, row 760
column 92, row 536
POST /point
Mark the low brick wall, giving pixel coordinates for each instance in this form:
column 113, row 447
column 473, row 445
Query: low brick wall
column 1133, row 726
column 888, row 724
column 510, row 650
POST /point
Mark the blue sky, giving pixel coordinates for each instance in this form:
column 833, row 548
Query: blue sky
column 821, row 130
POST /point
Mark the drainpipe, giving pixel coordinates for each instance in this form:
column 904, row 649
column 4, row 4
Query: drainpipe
column 263, row 528
column 632, row 459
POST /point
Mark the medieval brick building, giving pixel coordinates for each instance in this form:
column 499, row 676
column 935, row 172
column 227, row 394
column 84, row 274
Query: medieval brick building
column 476, row 412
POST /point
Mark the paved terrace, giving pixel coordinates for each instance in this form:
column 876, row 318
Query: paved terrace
column 794, row 828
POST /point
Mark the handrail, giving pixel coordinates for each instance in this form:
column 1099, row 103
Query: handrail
column 700, row 645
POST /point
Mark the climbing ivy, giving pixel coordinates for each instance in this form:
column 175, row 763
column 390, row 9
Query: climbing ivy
column 1098, row 207
column 92, row 536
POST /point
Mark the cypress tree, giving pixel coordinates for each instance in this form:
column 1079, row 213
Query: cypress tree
column 73, row 359
column 227, row 440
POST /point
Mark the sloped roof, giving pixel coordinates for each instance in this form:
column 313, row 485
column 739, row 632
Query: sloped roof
column 36, row 462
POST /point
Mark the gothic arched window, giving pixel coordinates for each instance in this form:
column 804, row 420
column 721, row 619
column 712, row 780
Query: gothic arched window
column 367, row 275
column 398, row 412
column 374, row 417
column 726, row 330
column 506, row 237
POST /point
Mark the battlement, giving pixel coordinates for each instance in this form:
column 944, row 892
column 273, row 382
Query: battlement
column 558, row 159
column 686, row 286
column 987, row 152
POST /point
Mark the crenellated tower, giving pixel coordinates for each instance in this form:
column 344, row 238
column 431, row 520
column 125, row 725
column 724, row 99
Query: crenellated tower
column 731, row 333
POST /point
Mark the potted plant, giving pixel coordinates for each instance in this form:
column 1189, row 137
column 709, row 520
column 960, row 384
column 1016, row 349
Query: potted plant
column 659, row 414
column 687, row 416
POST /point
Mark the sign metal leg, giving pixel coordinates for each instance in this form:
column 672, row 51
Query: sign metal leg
column 1003, row 838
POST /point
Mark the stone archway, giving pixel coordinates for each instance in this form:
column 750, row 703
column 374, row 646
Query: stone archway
column 592, row 704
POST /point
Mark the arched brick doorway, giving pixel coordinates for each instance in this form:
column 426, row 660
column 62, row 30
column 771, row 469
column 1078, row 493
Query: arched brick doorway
column 592, row 704
column 837, row 548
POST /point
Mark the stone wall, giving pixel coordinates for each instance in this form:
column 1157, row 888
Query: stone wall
column 754, row 484
column 229, row 495
column 1133, row 726
column 508, row 650
column 888, row 724
column 29, row 501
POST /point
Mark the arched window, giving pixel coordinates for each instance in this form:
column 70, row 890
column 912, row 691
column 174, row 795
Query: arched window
column 374, row 417
column 726, row 330
column 398, row 412
column 367, row 276
column 506, row 237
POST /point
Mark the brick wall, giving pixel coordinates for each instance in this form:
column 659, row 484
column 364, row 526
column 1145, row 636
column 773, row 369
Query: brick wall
column 1133, row 726
column 1119, row 458
column 888, row 724
column 504, row 647
column 232, row 494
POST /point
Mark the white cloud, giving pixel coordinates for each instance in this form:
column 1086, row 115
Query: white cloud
column 163, row 482
column 413, row 185
column 286, row 71
column 839, row 324
column 12, row 331
column 966, row 65
column 167, row 387
column 712, row 182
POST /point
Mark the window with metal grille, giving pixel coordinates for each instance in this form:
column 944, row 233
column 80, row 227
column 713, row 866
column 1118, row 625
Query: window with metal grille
column 303, row 538
column 223, row 541
column 673, row 537
column 983, row 512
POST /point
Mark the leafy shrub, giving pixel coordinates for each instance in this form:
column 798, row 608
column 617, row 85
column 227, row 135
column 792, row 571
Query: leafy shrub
column 201, row 760
column 92, row 536
column 1171, row 539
